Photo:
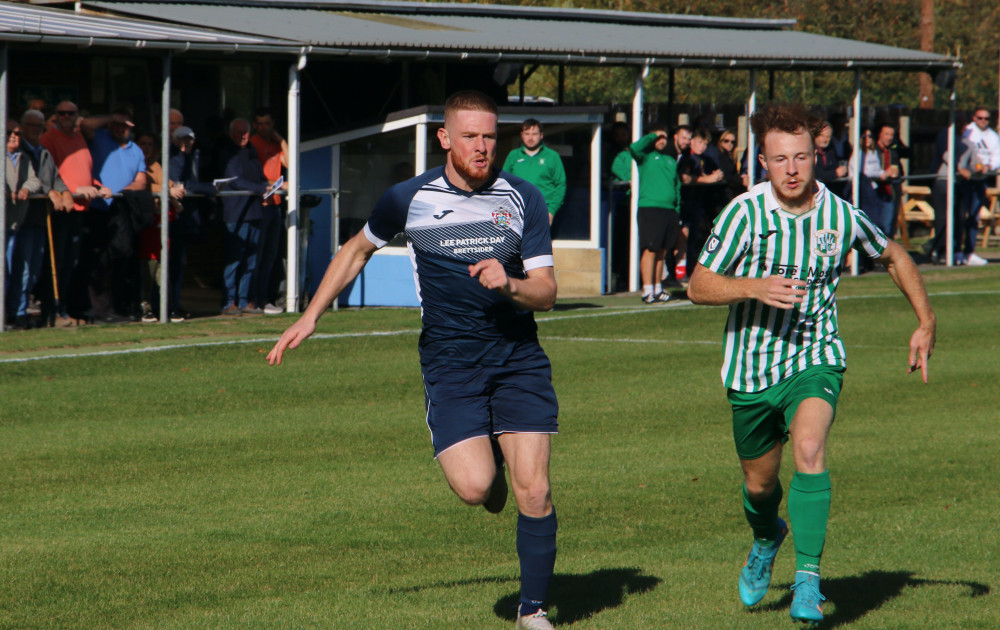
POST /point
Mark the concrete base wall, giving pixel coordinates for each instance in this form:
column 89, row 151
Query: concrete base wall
column 579, row 271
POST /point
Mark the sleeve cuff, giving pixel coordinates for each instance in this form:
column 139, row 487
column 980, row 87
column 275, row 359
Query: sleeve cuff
column 538, row 261
column 374, row 240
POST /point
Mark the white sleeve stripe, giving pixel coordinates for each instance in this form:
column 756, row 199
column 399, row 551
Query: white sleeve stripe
column 374, row 240
column 539, row 261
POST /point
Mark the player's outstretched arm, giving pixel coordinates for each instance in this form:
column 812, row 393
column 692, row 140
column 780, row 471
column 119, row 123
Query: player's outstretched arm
column 713, row 289
column 537, row 292
column 344, row 268
column 905, row 274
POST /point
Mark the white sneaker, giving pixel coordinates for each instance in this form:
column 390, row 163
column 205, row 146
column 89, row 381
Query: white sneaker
column 536, row 621
column 147, row 313
column 273, row 309
column 976, row 261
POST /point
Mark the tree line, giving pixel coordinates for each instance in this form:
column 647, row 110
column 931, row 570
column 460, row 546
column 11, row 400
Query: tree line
column 969, row 29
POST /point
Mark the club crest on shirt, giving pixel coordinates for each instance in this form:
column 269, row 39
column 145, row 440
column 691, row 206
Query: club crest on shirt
column 826, row 242
column 713, row 244
column 502, row 218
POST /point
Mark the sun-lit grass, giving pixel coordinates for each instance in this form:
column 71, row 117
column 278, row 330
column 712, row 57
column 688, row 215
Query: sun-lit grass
column 196, row 487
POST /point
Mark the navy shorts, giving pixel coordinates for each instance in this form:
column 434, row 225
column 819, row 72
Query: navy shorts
column 467, row 402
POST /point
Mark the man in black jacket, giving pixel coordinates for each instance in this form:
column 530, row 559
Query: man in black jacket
column 828, row 167
column 241, row 214
column 185, row 230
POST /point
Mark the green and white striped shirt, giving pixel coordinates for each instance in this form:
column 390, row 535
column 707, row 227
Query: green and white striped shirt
column 754, row 238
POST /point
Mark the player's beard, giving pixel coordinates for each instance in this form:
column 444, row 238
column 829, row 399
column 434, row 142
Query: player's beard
column 802, row 198
column 473, row 174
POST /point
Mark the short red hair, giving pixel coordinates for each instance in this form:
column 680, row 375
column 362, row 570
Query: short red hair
column 469, row 101
column 793, row 118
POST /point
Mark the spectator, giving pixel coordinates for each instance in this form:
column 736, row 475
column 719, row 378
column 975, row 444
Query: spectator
column 238, row 163
column 118, row 161
column 937, row 247
column 878, row 166
column 888, row 151
column 760, row 173
column 723, row 154
column 21, row 182
column 621, row 166
column 113, row 235
column 619, row 137
column 839, row 140
column 621, row 209
column 678, row 147
column 272, row 151
column 697, row 171
column 37, row 104
column 540, row 165
column 828, row 167
column 184, row 169
column 28, row 252
column 680, row 143
column 985, row 159
column 175, row 120
column 659, row 200
column 75, row 164
column 149, row 238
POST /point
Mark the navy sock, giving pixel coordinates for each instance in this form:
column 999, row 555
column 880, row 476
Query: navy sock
column 536, row 548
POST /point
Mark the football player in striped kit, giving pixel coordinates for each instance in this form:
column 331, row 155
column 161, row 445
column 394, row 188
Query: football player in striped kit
column 775, row 256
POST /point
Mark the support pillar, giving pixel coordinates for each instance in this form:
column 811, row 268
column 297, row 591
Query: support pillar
column 633, row 267
column 292, row 221
column 165, row 189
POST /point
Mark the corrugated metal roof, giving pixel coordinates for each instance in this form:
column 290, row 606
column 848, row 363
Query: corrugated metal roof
column 333, row 31
column 509, row 11
column 21, row 22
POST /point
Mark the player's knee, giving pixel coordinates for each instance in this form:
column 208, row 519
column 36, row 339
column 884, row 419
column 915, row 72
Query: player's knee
column 760, row 489
column 809, row 454
column 471, row 492
column 533, row 499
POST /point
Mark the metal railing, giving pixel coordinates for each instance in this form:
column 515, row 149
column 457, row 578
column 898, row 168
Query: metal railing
column 304, row 211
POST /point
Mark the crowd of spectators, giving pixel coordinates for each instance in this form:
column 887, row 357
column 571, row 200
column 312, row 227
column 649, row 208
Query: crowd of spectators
column 710, row 174
column 83, row 221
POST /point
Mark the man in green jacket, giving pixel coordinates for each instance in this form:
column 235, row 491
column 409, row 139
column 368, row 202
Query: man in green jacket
column 540, row 165
column 659, row 201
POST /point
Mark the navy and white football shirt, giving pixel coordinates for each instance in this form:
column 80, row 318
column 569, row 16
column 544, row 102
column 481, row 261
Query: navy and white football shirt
column 447, row 229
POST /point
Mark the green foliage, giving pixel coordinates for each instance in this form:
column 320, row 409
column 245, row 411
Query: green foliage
column 199, row 488
column 964, row 28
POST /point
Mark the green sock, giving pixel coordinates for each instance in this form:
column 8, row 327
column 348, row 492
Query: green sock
column 763, row 514
column 809, row 510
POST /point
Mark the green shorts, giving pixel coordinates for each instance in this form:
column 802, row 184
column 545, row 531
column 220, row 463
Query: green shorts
column 762, row 418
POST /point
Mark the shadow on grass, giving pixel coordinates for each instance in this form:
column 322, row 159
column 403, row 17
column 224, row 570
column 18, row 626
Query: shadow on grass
column 858, row 595
column 577, row 597
column 498, row 579
column 575, row 306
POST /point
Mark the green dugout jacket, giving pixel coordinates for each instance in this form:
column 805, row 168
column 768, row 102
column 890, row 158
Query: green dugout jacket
column 543, row 169
column 659, row 185
column 621, row 166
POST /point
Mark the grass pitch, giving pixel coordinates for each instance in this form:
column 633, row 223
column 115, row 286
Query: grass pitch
column 166, row 477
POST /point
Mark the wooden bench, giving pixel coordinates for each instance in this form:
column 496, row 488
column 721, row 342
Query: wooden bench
column 915, row 208
column 989, row 215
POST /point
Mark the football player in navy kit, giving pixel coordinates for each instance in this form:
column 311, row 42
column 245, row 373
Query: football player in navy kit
column 482, row 255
